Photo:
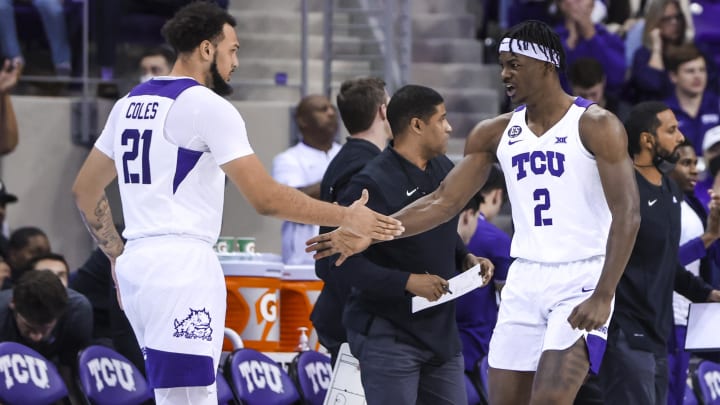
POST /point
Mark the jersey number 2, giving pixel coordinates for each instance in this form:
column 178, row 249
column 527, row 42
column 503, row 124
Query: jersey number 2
column 134, row 137
column 542, row 195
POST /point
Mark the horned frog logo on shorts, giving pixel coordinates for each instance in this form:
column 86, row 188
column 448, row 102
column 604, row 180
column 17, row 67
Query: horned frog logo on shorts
column 195, row 326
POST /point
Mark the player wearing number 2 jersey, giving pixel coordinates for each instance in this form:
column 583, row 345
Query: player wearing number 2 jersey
column 575, row 209
column 170, row 142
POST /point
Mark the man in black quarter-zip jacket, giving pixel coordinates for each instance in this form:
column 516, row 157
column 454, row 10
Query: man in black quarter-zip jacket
column 634, row 369
column 408, row 358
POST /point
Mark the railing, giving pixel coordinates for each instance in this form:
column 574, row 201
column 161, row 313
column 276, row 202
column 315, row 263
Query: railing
column 388, row 24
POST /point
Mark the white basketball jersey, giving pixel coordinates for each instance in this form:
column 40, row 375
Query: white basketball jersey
column 558, row 206
column 165, row 189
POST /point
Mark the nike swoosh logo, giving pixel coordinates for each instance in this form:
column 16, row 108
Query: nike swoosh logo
column 587, row 289
column 651, row 203
column 515, row 141
column 411, row 192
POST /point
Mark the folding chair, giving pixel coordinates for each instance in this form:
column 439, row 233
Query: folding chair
column 108, row 378
column 257, row 380
column 28, row 377
column 312, row 373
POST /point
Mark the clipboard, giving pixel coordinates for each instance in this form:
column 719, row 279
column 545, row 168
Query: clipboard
column 703, row 329
column 346, row 386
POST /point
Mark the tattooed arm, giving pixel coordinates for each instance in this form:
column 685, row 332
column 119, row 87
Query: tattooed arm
column 89, row 192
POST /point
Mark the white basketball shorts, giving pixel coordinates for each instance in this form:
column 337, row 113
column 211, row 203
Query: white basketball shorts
column 536, row 302
column 173, row 292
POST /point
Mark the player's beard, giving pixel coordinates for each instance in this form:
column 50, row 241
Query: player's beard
column 218, row 84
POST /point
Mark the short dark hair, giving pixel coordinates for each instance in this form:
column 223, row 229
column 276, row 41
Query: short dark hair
column 537, row 32
column 358, row 102
column 40, row 297
column 163, row 50
column 642, row 118
column 48, row 256
column 194, row 23
column 680, row 54
column 411, row 101
column 586, row 72
column 20, row 238
column 495, row 181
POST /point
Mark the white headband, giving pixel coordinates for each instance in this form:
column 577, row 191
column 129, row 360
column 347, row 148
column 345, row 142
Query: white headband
column 530, row 49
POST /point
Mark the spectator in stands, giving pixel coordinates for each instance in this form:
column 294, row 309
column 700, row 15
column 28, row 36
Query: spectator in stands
column 303, row 165
column 665, row 26
column 634, row 368
column 477, row 311
column 5, row 198
column 581, row 37
column 697, row 109
column 588, row 80
column 9, row 73
column 711, row 162
column 54, row 262
column 699, row 254
column 53, row 18
column 51, row 319
column 156, row 62
column 362, row 104
column 25, row 243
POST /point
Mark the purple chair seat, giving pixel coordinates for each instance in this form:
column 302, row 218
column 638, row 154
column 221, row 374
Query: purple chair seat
column 312, row 373
column 27, row 377
column 108, row 378
column 257, row 380
column 224, row 392
column 706, row 380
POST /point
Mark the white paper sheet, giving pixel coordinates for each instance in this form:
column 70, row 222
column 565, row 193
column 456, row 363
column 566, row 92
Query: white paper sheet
column 703, row 331
column 346, row 387
column 460, row 285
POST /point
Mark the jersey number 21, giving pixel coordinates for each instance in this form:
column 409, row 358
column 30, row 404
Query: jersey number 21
column 135, row 138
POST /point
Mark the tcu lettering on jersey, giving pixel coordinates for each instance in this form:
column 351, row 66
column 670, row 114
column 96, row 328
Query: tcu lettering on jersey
column 539, row 162
column 261, row 375
column 22, row 369
column 110, row 372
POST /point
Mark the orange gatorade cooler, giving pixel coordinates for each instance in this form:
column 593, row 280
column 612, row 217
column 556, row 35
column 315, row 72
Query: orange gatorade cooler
column 253, row 283
column 300, row 289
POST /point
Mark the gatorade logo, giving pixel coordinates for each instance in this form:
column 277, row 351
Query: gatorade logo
column 262, row 305
column 111, row 372
column 23, row 369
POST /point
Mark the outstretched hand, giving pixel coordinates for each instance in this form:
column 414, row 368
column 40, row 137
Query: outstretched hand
column 340, row 241
column 591, row 314
column 362, row 221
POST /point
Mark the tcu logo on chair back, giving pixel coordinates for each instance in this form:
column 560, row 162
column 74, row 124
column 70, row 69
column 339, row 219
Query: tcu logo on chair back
column 320, row 373
column 111, row 372
column 108, row 378
column 26, row 377
column 24, row 369
column 257, row 380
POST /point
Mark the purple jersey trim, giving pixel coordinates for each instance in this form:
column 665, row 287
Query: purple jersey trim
column 170, row 370
column 164, row 88
column 519, row 108
column 581, row 102
column 186, row 161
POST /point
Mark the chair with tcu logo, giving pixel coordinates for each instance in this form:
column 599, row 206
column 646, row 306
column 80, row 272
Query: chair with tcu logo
column 224, row 392
column 312, row 373
column 107, row 378
column 258, row 380
column 706, row 380
column 26, row 377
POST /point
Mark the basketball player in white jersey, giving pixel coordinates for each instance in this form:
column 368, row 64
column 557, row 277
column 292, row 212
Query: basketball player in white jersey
column 575, row 209
column 170, row 142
